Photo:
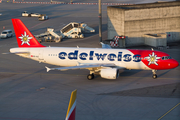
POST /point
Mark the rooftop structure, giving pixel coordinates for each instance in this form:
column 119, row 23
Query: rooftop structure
column 134, row 21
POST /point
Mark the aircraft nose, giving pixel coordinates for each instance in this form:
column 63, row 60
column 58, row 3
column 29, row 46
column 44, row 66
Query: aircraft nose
column 174, row 64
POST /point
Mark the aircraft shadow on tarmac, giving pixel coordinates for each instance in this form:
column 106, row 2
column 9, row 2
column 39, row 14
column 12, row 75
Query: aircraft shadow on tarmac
column 162, row 91
column 125, row 72
column 6, row 75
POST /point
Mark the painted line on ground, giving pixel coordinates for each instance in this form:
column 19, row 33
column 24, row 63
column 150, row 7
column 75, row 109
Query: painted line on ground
column 38, row 24
column 9, row 118
column 47, row 73
column 169, row 111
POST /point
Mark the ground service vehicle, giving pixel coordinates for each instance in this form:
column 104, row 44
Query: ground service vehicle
column 6, row 33
column 43, row 17
column 49, row 36
column 85, row 28
column 26, row 14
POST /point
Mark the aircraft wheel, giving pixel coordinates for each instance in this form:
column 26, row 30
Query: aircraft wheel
column 154, row 76
column 90, row 76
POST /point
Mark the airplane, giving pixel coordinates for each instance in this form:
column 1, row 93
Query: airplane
column 103, row 61
column 72, row 106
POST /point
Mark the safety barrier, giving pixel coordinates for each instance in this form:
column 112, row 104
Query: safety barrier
column 73, row 3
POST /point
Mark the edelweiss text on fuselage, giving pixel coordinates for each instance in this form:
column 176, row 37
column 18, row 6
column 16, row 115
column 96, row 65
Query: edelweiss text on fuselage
column 99, row 56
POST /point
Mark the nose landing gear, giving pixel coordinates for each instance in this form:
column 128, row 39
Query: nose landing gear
column 154, row 74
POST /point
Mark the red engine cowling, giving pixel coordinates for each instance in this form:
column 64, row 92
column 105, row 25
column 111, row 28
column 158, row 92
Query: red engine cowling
column 109, row 73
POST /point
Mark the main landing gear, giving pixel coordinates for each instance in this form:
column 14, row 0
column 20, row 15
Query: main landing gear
column 90, row 76
column 154, row 74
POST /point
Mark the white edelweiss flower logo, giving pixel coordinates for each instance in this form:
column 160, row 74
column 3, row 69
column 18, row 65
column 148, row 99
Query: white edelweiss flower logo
column 25, row 38
column 152, row 59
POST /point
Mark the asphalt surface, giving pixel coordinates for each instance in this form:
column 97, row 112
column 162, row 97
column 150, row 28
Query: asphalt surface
column 28, row 92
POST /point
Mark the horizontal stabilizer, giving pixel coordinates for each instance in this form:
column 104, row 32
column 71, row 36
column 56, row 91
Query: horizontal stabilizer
column 6, row 53
column 17, row 53
column 48, row 69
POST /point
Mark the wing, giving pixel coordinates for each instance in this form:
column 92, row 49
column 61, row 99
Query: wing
column 85, row 66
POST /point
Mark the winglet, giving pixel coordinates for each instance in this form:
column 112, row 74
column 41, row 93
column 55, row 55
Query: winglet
column 105, row 46
column 48, row 69
column 72, row 106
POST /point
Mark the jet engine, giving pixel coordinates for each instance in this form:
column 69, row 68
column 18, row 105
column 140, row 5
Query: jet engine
column 109, row 73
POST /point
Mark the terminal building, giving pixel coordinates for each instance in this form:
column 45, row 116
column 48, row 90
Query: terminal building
column 154, row 24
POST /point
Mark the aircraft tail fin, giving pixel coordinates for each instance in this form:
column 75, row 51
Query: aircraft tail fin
column 72, row 106
column 24, row 37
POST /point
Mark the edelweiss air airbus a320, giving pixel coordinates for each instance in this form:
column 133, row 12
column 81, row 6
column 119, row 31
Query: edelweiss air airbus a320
column 103, row 61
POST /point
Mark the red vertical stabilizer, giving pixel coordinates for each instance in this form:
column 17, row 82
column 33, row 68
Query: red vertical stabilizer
column 23, row 35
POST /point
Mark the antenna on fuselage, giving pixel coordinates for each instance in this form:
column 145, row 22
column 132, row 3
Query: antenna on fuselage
column 152, row 49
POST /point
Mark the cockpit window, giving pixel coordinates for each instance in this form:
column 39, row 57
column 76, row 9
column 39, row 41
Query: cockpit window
column 166, row 57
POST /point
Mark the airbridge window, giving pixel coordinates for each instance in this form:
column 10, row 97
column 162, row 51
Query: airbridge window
column 166, row 57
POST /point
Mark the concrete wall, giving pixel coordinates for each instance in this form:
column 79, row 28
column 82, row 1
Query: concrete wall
column 173, row 36
column 158, row 40
column 147, row 19
column 115, row 22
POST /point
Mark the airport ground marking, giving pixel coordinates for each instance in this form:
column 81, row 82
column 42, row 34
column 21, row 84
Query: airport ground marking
column 169, row 111
column 68, row 74
column 39, row 24
column 6, row 118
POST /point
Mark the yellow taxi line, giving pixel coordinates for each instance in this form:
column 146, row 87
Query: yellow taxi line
column 169, row 111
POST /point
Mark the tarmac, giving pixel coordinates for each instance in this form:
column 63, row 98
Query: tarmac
column 28, row 92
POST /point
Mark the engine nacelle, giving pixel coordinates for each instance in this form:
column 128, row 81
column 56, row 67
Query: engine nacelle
column 109, row 73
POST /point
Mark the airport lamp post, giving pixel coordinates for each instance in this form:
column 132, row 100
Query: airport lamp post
column 100, row 22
